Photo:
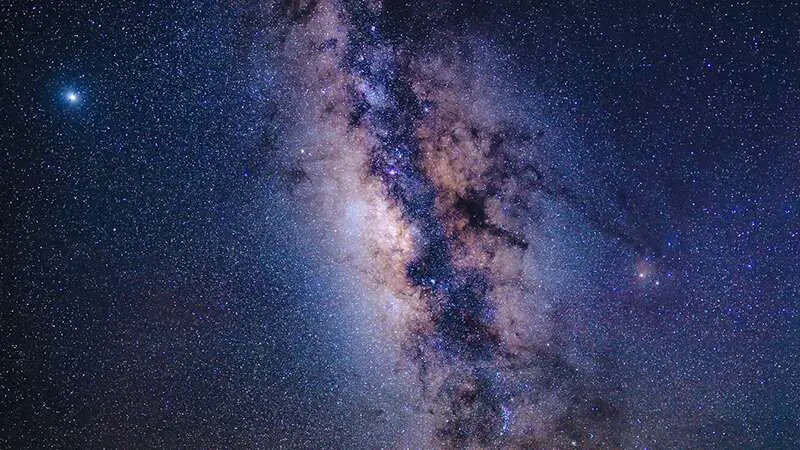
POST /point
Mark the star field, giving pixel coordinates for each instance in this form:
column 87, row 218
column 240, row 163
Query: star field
column 358, row 224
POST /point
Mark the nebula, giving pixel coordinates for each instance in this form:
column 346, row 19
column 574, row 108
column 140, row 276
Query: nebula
column 430, row 182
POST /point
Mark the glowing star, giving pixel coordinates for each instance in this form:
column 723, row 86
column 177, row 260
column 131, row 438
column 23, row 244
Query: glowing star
column 72, row 97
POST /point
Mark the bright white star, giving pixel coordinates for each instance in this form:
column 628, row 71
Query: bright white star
column 72, row 97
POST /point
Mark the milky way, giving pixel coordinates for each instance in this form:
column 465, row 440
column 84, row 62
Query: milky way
column 400, row 224
column 412, row 155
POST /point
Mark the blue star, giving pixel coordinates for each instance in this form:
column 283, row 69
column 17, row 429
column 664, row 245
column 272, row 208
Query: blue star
column 72, row 97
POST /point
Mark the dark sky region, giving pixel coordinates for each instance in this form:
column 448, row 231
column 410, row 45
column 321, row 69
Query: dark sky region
column 433, row 224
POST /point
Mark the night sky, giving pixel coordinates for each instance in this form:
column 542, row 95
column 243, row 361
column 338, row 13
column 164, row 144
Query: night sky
column 433, row 224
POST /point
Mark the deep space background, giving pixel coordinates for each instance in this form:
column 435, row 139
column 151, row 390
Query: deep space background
column 164, row 282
